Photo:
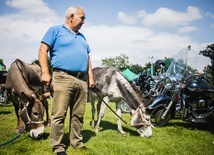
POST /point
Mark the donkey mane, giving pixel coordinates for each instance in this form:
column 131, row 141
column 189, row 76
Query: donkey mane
column 129, row 94
column 110, row 82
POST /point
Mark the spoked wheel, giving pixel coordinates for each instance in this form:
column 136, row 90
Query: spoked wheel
column 157, row 119
column 125, row 107
column 2, row 99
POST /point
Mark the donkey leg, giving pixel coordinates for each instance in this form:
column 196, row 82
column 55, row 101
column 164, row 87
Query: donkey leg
column 45, row 104
column 93, row 111
column 20, row 124
column 101, row 113
column 119, row 124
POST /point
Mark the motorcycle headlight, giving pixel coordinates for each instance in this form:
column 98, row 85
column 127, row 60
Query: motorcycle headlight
column 172, row 83
column 168, row 83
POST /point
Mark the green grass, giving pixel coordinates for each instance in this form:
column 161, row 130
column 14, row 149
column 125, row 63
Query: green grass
column 177, row 138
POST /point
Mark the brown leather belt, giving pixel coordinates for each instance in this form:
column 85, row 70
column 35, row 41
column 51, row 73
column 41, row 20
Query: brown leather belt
column 78, row 75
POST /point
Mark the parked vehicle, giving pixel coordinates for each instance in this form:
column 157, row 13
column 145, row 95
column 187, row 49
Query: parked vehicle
column 3, row 92
column 125, row 107
column 3, row 95
column 144, row 83
column 187, row 93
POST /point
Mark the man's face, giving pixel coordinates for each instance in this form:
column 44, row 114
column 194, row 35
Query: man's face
column 78, row 20
column 3, row 68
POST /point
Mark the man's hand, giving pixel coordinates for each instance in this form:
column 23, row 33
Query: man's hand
column 46, row 78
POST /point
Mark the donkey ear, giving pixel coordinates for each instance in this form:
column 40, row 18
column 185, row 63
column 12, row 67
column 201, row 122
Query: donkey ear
column 41, row 97
column 44, row 96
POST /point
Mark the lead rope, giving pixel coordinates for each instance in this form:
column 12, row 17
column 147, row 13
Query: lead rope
column 108, row 105
column 14, row 138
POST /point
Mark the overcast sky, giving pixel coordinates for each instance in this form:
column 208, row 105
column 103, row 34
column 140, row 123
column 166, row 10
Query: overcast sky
column 140, row 29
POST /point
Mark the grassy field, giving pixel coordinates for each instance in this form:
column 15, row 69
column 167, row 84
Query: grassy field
column 177, row 138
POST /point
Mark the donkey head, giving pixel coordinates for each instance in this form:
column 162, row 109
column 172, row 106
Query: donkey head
column 141, row 121
column 32, row 113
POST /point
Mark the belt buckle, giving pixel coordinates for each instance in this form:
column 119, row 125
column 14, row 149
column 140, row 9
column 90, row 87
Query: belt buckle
column 78, row 74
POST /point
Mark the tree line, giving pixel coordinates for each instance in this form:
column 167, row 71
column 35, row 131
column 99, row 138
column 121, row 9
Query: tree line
column 122, row 62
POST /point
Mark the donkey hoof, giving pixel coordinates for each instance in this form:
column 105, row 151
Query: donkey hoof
column 96, row 130
column 92, row 124
column 123, row 133
column 19, row 130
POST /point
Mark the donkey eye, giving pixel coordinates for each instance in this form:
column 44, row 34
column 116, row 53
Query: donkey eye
column 147, row 119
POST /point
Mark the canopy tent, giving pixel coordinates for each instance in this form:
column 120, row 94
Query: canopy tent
column 129, row 75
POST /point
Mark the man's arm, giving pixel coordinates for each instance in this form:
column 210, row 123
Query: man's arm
column 43, row 60
column 90, row 74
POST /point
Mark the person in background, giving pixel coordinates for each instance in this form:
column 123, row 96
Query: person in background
column 3, row 74
column 72, row 75
column 3, row 91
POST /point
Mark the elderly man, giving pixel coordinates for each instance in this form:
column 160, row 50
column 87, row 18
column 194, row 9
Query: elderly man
column 72, row 75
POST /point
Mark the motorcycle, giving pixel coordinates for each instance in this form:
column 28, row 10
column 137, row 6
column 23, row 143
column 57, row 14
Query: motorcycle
column 3, row 95
column 186, row 93
column 158, row 86
column 3, row 91
column 143, row 83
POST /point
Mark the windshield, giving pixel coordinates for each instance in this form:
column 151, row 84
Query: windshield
column 184, row 64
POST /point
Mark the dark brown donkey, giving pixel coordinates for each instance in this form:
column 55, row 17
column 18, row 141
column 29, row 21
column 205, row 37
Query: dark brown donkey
column 28, row 97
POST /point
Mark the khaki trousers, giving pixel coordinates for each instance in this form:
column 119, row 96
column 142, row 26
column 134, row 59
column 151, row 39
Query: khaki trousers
column 68, row 92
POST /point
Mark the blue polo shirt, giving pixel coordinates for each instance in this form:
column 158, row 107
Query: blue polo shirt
column 68, row 51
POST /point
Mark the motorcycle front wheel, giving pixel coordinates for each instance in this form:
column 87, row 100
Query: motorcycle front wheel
column 125, row 107
column 2, row 99
column 158, row 120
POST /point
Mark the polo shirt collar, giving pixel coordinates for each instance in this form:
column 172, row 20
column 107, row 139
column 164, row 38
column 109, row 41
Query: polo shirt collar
column 70, row 29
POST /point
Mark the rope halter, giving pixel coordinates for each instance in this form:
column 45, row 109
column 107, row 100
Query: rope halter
column 145, row 121
column 25, row 111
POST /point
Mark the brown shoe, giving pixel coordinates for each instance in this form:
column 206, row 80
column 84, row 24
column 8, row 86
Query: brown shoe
column 61, row 153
